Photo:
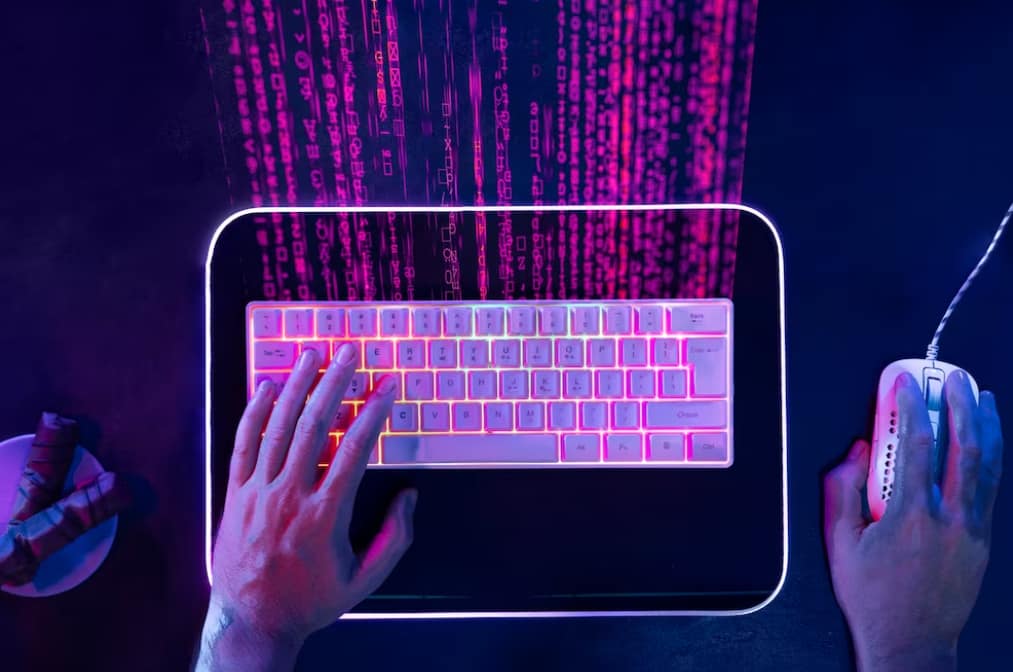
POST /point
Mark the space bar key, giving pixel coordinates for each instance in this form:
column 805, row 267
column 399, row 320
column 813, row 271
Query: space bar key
column 465, row 448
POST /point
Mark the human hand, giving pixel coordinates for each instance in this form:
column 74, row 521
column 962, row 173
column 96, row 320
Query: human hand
column 283, row 564
column 908, row 582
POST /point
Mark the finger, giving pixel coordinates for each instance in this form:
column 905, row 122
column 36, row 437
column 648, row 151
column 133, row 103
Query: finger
column 963, row 458
column 315, row 421
column 913, row 480
column 349, row 463
column 389, row 546
column 244, row 453
column 991, row 457
column 282, row 423
column 843, row 521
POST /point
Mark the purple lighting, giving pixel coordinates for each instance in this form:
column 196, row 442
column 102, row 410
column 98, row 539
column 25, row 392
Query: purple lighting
column 328, row 102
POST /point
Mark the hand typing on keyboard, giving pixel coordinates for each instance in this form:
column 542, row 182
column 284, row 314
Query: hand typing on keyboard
column 908, row 582
column 283, row 565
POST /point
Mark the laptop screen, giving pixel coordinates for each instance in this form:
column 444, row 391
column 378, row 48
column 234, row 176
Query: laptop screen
column 509, row 538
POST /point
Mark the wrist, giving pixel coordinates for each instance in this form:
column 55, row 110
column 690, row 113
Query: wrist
column 922, row 656
column 229, row 641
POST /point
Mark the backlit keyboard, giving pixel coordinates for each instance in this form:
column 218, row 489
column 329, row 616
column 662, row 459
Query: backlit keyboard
column 521, row 384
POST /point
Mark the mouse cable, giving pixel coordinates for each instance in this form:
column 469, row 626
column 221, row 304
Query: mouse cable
column 933, row 351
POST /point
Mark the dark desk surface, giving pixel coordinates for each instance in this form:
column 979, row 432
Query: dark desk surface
column 879, row 141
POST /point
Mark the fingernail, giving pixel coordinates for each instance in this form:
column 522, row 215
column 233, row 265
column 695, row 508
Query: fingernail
column 346, row 353
column 386, row 386
column 264, row 387
column 306, row 358
column 411, row 499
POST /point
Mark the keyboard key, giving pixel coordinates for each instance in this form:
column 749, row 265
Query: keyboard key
column 498, row 416
column 649, row 320
column 673, row 383
column 530, row 416
column 344, row 416
column 394, row 322
column 709, row 360
column 464, row 448
column 404, row 418
column 278, row 379
column 425, row 322
column 323, row 348
column 379, row 354
column 562, row 415
column 398, row 379
column 467, row 416
column 474, row 354
column 666, row 447
column 506, row 353
column 580, row 448
column 299, row 322
column 362, row 322
column 442, row 354
column 274, row 354
column 513, row 384
column 594, row 415
column 482, row 384
column 633, row 352
column 537, row 352
column 569, row 352
column 584, row 320
column 489, row 321
column 450, row 385
column 546, row 385
column 609, row 384
column 699, row 318
column 625, row 415
column 267, row 323
column 331, row 322
column 577, row 384
column 641, row 384
column 419, row 386
column 666, row 351
column 680, row 414
column 521, row 321
column 411, row 354
column 623, row 448
column 618, row 320
column 358, row 387
column 708, row 448
column 435, row 417
column 552, row 320
column 457, row 321
column 601, row 352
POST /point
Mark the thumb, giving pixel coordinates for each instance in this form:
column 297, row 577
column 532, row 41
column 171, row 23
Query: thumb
column 843, row 521
column 395, row 536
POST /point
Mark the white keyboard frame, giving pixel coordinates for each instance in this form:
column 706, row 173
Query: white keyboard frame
column 208, row 523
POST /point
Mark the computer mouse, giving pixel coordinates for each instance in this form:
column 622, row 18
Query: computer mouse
column 930, row 374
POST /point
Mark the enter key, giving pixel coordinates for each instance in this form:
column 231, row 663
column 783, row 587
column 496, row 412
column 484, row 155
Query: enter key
column 709, row 359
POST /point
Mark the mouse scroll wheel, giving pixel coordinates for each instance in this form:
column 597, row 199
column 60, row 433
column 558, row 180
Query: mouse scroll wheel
column 933, row 391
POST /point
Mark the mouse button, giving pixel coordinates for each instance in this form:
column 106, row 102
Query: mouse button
column 933, row 385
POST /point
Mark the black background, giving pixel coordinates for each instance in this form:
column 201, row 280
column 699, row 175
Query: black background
column 879, row 140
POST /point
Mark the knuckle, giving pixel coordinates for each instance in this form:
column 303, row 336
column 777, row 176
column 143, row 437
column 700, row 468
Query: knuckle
column 311, row 430
column 919, row 439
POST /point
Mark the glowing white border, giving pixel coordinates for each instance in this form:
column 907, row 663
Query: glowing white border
column 511, row 208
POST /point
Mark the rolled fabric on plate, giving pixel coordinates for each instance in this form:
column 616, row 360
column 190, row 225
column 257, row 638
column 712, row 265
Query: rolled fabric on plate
column 23, row 547
column 46, row 468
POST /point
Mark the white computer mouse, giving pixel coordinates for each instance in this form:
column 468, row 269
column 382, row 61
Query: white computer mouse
column 930, row 374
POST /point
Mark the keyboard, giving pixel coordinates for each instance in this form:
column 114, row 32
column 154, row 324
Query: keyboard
column 521, row 384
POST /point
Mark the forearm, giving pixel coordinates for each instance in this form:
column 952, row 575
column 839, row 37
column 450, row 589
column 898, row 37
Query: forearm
column 924, row 658
column 229, row 644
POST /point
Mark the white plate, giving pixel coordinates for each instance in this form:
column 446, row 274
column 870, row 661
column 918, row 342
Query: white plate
column 74, row 563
